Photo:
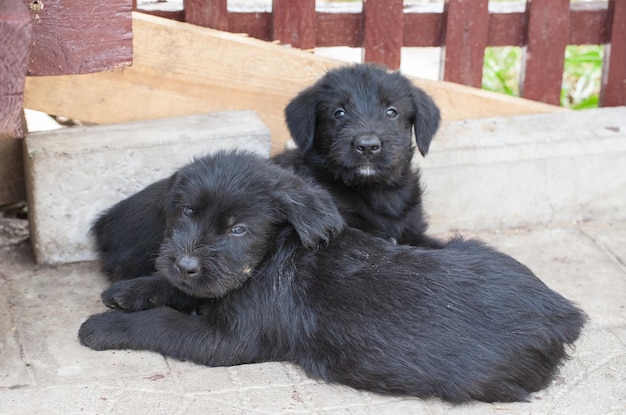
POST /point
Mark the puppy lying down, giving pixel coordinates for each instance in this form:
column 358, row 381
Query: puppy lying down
column 265, row 259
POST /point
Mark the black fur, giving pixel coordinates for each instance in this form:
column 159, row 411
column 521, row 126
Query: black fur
column 386, row 202
column 354, row 129
column 128, row 235
column 266, row 260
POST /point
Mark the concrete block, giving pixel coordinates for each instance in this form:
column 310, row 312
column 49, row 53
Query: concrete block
column 74, row 173
column 527, row 170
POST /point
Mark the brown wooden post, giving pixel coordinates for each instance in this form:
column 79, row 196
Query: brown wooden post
column 80, row 36
column 16, row 34
column 383, row 31
column 543, row 57
column 465, row 38
column 207, row 13
column 293, row 23
column 613, row 91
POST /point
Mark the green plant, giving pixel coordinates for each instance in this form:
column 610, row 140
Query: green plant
column 582, row 74
column 501, row 70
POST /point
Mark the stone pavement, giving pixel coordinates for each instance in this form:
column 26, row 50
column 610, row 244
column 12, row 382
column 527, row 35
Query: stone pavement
column 44, row 369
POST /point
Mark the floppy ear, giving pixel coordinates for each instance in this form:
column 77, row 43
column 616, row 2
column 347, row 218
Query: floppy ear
column 426, row 121
column 309, row 208
column 300, row 117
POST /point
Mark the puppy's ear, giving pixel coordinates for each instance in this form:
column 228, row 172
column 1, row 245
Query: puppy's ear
column 310, row 209
column 426, row 121
column 300, row 117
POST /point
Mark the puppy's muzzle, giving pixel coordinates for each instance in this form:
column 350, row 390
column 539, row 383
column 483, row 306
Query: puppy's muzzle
column 187, row 265
column 367, row 145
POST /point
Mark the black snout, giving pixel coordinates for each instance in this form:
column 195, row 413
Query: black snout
column 367, row 145
column 188, row 265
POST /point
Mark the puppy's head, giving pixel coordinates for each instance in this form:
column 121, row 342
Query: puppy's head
column 224, row 213
column 358, row 122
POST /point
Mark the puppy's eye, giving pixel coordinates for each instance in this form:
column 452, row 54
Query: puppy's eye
column 340, row 113
column 238, row 230
column 187, row 211
column 392, row 112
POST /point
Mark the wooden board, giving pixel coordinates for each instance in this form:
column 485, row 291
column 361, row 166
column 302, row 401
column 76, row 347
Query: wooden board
column 544, row 54
column 465, row 41
column 383, row 32
column 182, row 69
column 16, row 34
column 614, row 82
column 79, row 36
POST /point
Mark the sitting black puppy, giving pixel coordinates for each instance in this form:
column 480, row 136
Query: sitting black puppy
column 277, row 276
column 354, row 131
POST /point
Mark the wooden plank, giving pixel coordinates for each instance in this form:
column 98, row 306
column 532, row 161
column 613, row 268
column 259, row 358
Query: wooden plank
column 613, row 92
column 207, row 13
column 588, row 23
column 544, row 54
column 255, row 24
column 339, row 29
column 422, row 29
column 80, row 36
column 466, row 31
column 16, row 34
column 176, row 82
column 506, row 29
column 383, row 32
column 293, row 23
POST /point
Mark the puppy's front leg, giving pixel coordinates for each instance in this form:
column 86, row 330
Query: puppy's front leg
column 147, row 292
column 169, row 332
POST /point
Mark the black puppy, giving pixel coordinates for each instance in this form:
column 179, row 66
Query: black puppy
column 354, row 130
column 266, row 258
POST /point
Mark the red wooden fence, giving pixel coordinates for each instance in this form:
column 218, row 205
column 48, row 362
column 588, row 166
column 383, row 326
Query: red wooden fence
column 382, row 27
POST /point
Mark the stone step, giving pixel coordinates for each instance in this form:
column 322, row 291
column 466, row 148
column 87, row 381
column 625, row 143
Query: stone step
column 74, row 173
column 527, row 170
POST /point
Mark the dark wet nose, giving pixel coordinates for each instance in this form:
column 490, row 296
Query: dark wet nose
column 188, row 265
column 367, row 145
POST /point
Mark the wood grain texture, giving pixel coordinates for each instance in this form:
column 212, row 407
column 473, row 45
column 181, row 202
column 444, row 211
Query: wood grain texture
column 383, row 32
column 16, row 34
column 207, row 13
column 293, row 23
column 613, row 91
column 466, row 34
column 79, row 36
column 544, row 54
column 202, row 70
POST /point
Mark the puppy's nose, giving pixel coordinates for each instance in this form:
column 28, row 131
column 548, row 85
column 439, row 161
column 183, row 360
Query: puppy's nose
column 367, row 145
column 188, row 265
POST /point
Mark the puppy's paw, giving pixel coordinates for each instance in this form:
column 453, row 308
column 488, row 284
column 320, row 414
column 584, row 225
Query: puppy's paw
column 136, row 294
column 105, row 331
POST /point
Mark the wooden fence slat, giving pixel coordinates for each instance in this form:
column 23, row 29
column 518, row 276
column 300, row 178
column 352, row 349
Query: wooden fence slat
column 465, row 39
column 383, row 31
column 254, row 24
column 506, row 29
column 339, row 29
column 587, row 23
column 544, row 54
column 613, row 91
column 294, row 22
column 207, row 13
column 422, row 29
